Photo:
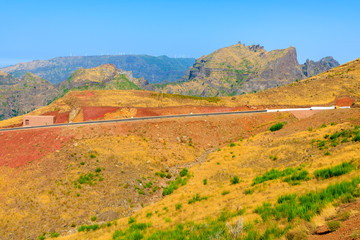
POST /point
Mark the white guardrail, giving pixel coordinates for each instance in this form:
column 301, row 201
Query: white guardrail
column 302, row 109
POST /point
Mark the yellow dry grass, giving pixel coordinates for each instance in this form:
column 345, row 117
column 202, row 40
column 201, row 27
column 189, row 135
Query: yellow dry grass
column 247, row 159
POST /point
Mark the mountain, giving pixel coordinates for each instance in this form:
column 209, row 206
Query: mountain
column 20, row 96
column 311, row 68
column 154, row 69
column 7, row 79
column 240, row 69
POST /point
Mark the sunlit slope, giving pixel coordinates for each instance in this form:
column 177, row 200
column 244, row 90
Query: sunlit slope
column 211, row 192
column 321, row 89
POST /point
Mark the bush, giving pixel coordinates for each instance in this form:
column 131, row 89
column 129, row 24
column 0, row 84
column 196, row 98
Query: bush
column 205, row 181
column 87, row 228
column 276, row 127
column 234, row 180
column 93, row 218
column 178, row 206
column 333, row 225
column 307, row 205
column 273, row 174
column 183, row 172
column 249, row 191
column 197, row 198
column 54, row 235
column 225, row 192
column 335, row 171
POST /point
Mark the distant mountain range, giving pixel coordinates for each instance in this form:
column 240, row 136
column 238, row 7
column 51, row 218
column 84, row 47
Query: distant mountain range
column 154, row 69
column 229, row 71
column 240, row 69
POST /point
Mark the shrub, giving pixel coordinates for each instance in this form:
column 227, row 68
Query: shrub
column 205, row 181
column 183, row 172
column 93, row 218
column 97, row 170
column 249, row 191
column 160, row 174
column 234, row 180
column 276, row 127
column 333, row 225
column 131, row 220
column 225, row 192
column 297, row 176
column 273, row 174
column 178, row 206
column 173, row 185
column 335, row 171
column 197, row 198
column 307, row 205
column 149, row 214
column 232, row 144
column 87, row 228
column 92, row 155
column 54, row 235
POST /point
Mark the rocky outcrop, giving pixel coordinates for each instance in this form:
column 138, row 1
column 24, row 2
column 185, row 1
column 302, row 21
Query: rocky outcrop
column 311, row 68
column 242, row 69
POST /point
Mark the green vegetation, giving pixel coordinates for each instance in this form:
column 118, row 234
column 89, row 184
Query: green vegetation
column 305, row 206
column 276, row 127
column 179, row 181
column 334, row 171
column 273, row 174
column 178, row 206
column 333, row 225
column 225, row 192
column 296, row 177
column 234, row 180
column 87, row 228
column 249, row 191
column 93, row 218
column 183, row 172
column 197, row 198
column 205, row 181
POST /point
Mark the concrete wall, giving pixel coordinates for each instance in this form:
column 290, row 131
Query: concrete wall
column 31, row 121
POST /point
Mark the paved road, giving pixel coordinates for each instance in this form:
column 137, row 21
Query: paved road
column 133, row 119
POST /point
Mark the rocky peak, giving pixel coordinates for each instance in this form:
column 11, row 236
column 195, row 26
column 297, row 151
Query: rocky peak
column 255, row 48
column 7, row 79
column 312, row 68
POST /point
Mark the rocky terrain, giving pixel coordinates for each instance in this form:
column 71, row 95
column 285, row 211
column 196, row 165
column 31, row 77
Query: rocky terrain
column 19, row 96
column 153, row 69
column 240, row 69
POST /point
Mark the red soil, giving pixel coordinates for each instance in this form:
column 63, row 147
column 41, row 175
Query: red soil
column 304, row 114
column 348, row 227
column 344, row 101
column 20, row 147
column 92, row 113
column 59, row 117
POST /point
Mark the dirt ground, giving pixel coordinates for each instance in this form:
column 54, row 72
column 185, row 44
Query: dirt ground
column 349, row 230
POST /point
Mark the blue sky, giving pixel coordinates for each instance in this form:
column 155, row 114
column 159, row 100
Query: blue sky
column 46, row 29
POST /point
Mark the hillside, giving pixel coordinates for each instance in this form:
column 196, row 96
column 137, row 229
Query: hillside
column 338, row 86
column 20, row 96
column 242, row 69
column 153, row 69
column 214, row 177
column 87, row 177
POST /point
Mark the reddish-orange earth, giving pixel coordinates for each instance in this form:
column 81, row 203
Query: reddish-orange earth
column 304, row 113
column 344, row 101
column 20, row 147
column 349, row 228
column 92, row 113
column 59, row 117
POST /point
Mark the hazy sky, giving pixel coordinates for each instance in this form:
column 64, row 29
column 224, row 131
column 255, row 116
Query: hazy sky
column 46, row 29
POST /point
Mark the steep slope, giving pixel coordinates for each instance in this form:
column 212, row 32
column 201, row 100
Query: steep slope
column 7, row 79
column 154, row 69
column 240, row 69
column 24, row 95
column 322, row 89
column 311, row 68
